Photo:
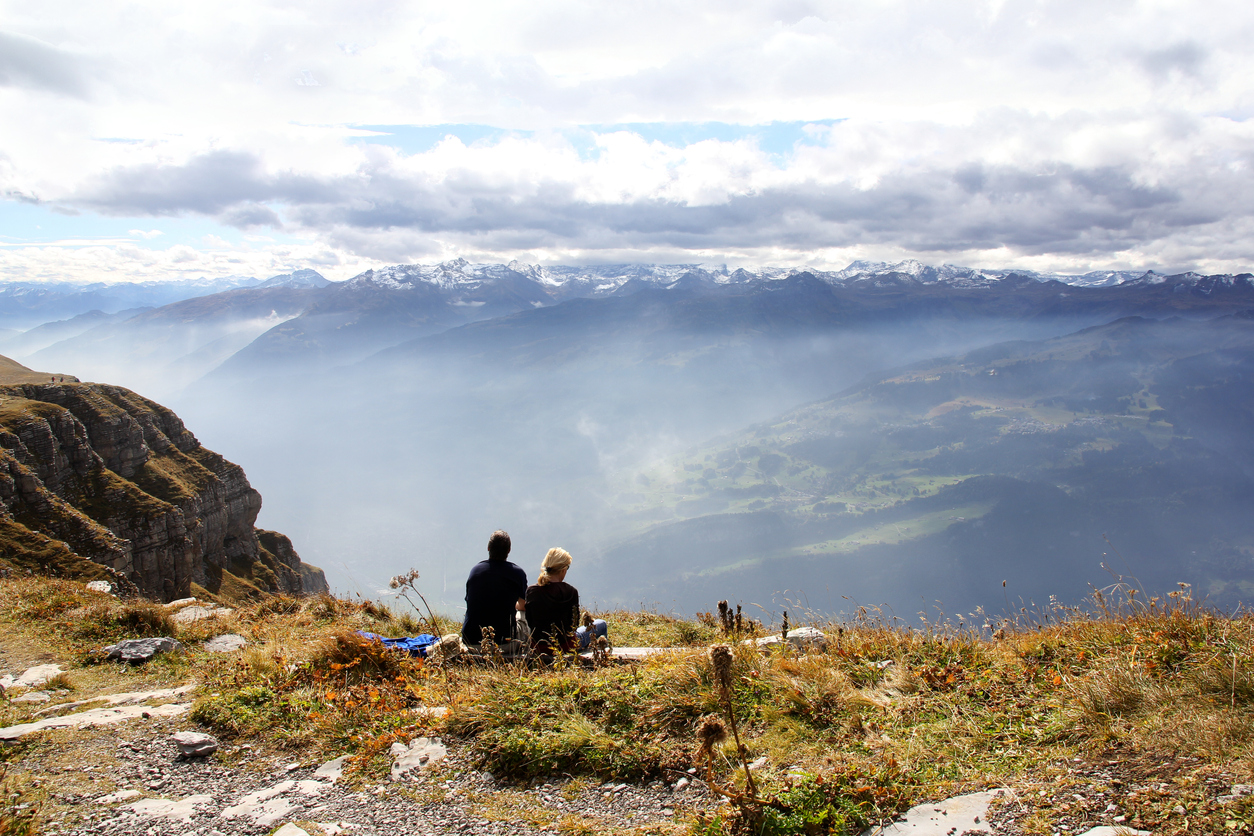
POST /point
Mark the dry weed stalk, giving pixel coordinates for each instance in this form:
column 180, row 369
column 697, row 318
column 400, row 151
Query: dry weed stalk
column 721, row 660
column 600, row 652
column 407, row 583
column 490, row 649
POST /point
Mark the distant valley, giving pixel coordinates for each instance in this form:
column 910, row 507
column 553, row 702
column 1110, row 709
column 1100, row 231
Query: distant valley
column 1033, row 463
column 679, row 427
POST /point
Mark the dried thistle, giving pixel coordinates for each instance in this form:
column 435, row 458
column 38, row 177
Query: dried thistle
column 587, row 620
column 710, row 733
column 406, row 579
column 724, row 617
column 721, row 659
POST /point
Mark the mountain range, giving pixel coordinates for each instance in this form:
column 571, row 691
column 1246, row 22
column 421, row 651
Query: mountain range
column 300, row 322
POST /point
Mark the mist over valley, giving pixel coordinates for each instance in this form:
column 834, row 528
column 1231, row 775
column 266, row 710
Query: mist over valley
column 894, row 435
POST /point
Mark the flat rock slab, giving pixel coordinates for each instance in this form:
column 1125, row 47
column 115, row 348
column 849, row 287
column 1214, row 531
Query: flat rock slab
column 31, row 678
column 225, row 643
column 165, row 808
column 1107, row 830
column 332, row 770
column 420, row 752
column 290, row 829
column 636, row 653
column 95, row 717
column 265, row 808
column 199, row 612
column 118, row 797
column 124, row 698
column 802, row 638
column 953, row 816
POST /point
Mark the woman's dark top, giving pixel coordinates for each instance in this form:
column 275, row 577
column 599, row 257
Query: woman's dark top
column 552, row 615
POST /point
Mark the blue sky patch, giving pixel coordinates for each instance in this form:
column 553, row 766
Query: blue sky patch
column 775, row 138
column 417, row 139
column 23, row 223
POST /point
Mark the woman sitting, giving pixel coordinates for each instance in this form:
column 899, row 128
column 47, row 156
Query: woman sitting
column 553, row 609
column 553, row 606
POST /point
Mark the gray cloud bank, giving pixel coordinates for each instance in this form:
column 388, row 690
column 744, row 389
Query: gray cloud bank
column 1193, row 199
column 30, row 63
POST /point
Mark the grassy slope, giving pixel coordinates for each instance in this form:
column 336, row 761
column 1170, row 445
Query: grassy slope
column 1043, row 706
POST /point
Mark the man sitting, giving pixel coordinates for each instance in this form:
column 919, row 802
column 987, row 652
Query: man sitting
column 494, row 592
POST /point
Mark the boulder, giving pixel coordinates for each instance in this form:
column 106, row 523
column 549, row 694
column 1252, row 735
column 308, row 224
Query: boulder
column 139, row 651
column 100, row 586
column 195, row 744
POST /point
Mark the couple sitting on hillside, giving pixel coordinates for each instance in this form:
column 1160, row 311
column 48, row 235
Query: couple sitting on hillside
column 543, row 617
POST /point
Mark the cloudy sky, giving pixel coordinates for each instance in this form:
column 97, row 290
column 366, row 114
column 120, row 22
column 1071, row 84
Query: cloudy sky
column 171, row 140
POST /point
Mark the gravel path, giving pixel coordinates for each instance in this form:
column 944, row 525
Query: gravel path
column 130, row 779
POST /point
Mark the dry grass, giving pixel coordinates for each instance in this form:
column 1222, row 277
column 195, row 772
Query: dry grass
column 884, row 716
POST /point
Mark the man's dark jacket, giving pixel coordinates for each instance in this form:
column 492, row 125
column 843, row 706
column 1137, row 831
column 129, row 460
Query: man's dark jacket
column 492, row 589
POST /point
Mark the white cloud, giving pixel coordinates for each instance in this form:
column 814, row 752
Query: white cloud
column 1059, row 134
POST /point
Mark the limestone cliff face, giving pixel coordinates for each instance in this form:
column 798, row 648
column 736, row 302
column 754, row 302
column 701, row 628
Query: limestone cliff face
column 96, row 473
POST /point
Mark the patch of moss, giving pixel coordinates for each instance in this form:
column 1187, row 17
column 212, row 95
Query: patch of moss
column 200, row 593
column 234, row 589
column 173, row 476
column 211, row 461
column 23, row 549
column 107, row 498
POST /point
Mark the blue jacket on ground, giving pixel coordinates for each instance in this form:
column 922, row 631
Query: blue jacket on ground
column 492, row 590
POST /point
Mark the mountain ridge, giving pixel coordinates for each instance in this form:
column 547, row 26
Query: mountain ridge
column 97, row 482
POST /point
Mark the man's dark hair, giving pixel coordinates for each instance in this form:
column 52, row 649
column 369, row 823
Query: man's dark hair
column 498, row 545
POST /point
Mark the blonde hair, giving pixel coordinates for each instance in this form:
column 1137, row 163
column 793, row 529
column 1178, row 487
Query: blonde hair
column 554, row 563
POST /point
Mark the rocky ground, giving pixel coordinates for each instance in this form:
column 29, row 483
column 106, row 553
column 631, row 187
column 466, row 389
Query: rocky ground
column 131, row 779
column 108, row 763
column 128, row 776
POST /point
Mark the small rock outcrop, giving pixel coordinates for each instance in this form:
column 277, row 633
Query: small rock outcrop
column 139, row 651
column 101, row 484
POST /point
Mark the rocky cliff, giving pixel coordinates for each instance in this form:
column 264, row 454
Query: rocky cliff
column 97, row 482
